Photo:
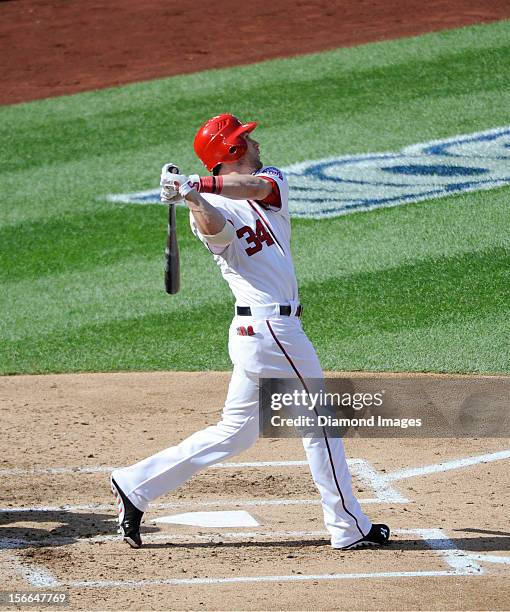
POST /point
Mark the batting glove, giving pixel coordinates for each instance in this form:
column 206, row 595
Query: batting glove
column 169, row 195
column 192, row 182
column 170, row 175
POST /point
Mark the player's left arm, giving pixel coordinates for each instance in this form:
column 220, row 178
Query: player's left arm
column 244, row 187
column 233, row 186
column 266, row 187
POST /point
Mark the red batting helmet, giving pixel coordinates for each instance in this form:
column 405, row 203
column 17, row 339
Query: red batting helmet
column 220, row 141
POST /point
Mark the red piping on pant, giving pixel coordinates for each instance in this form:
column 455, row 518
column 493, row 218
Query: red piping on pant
column 323, row 429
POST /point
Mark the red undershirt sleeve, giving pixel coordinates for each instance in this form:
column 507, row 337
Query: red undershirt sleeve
column 273, row 200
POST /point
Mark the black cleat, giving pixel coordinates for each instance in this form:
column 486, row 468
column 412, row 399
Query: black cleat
column 129, row 516
column 378, row 535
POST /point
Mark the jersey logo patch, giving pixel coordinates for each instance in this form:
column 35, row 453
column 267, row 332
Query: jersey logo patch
column 271, row 170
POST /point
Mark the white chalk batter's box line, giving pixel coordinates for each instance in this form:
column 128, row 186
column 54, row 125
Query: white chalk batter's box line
column 384, row 491
column 210, row 503
column 459, row 562
column 380, row 483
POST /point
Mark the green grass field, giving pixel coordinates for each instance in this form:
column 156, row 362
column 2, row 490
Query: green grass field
column 421, row 287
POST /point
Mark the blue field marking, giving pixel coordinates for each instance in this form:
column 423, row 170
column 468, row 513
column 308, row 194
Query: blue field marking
column 341, row 185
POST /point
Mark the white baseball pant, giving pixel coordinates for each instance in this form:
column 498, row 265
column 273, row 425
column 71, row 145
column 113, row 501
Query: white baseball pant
column 279, row 349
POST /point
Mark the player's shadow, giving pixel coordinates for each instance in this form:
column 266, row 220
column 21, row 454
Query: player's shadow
column 485, row 531
column 62, row 527
column 53, row 528
column 500, row 542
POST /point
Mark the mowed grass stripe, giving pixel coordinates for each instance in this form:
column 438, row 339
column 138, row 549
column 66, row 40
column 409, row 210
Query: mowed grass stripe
column 82, row 241
column 452, row 73
column 95, row 241
column 415, row 294
column 297, row 69
column 77, row 188
column 300, row 69
column 475, row 345
column 130, row 287
column 388, row 238
column 54, row 189
column 409, row 297
column 423, row 294
column 189, row 340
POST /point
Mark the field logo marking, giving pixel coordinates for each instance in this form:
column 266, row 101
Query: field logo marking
column 436, row 169
column 341, row 185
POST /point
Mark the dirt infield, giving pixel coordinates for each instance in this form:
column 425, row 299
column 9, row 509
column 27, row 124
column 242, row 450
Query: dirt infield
column 56, row 47
column 447, row 502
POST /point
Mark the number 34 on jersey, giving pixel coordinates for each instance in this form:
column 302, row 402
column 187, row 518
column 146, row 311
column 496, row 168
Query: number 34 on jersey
column 255, row 238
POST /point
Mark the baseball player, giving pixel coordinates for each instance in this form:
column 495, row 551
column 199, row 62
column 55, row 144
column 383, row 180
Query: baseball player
column 241, row 215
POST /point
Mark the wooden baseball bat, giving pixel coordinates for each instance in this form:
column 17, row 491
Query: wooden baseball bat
column 172, row 266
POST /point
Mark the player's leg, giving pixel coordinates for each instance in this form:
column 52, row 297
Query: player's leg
column 343, row 516
column 344, row 519
column 237, row 430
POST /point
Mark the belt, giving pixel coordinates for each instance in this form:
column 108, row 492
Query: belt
column 285, row 310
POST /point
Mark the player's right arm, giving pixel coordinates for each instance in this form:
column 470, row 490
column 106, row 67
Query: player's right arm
column 209, row 221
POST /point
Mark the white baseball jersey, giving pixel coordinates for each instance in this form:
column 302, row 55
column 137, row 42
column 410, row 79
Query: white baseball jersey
column 257, row 264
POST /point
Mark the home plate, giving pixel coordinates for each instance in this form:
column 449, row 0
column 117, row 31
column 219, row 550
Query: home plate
column 229, row 518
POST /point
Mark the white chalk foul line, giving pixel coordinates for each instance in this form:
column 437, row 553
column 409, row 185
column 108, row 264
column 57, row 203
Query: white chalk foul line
column 97, row 469
column 379, row 482
column 55, row 470
column 383, row 489
column 455, row 464
column 461, row 565
column 360, row 463
column 457, row 559
column 490, row 558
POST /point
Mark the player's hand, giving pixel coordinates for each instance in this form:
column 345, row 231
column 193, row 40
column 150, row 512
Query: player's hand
column 169, row 195
column 170, row 175
column 174, row 180
column 191, row 183
column 174, row 183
